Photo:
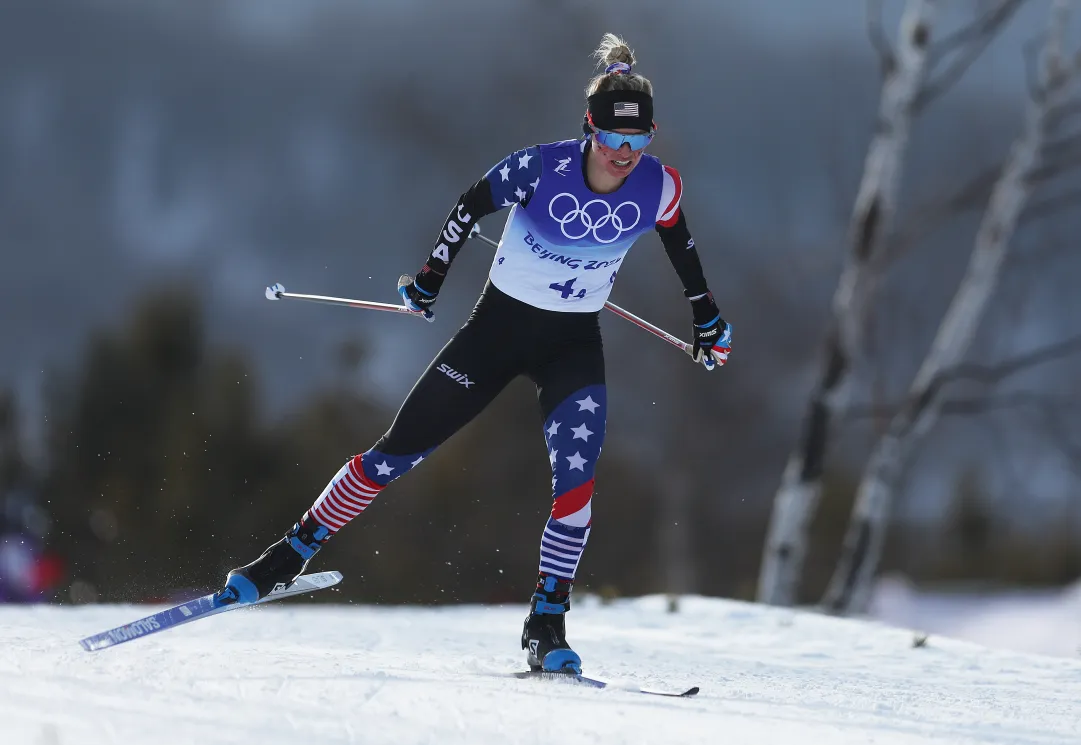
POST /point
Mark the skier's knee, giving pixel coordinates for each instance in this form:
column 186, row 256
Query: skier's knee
column 574, row 507
column 382, row 468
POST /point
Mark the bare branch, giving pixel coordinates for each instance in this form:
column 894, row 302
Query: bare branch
column 1058, row 73
column 1051, row 205
column 953, row 73
column 878, row 35
column 1062, row 113
column 1055, row 158
column 1031, row 52
column 975, row 404
column 976, row 191
column 976, row 32
column 1015, row 400
column 973, row 194
column 981, row 404
column 1051, row 170
column 1017, row 482
column 1061, row 148
column 1054, row 420
column 989, row 375
column 1056, row 415
column 1054, row 70
column 1060, row 156
column 863, row 412
column 972, row 405
column 993, row 374
column 1053, row 415
column 969, row 43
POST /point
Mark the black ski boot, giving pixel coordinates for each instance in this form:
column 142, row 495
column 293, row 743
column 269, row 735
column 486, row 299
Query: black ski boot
column 277, row 567
column 544, row 633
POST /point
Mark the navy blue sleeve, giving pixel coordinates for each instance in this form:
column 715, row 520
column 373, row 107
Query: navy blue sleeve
column 514, row 179
column 679, row 246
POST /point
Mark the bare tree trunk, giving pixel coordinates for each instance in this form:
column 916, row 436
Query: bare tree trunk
column 850, row 586
column 797, row 498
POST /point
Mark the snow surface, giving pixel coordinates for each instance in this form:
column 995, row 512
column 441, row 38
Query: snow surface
column 296, row 673
column 1045, row 621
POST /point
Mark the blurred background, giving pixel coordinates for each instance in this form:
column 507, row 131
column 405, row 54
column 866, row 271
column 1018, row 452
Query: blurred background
column 161, row 422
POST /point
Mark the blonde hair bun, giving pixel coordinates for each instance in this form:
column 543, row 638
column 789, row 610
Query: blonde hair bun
column 614, row 49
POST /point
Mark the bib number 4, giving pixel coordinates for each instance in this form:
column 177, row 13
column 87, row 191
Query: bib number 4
column 566, row 290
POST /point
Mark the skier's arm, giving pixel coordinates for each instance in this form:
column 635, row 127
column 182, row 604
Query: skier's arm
column 676, row 236
column 511, row 181
column 679, row 245
column 712, row 334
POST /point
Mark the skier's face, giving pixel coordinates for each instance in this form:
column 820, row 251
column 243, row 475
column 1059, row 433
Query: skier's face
column 619, row 162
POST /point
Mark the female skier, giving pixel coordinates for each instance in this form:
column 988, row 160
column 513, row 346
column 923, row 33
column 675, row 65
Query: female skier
column 576, row 208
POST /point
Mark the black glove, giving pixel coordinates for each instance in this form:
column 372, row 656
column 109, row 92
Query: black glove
column 712, row 334
column 419, row 293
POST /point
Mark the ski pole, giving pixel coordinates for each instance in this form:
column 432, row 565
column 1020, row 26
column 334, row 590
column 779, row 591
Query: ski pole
column 643, row 324
column 277, row 292
column 639, row 322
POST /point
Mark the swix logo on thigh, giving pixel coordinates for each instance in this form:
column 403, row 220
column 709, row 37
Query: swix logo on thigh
column 454, row 375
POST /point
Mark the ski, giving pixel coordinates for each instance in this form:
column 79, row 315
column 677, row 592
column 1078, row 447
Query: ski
column 202, row 607
column 578, row 678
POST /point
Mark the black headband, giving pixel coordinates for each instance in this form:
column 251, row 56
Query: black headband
column 620, row 110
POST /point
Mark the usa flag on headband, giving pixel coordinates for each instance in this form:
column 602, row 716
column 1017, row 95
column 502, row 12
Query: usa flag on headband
column 626, row 109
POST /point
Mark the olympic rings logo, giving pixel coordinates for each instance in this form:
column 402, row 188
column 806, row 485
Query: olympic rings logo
column 579, row 218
